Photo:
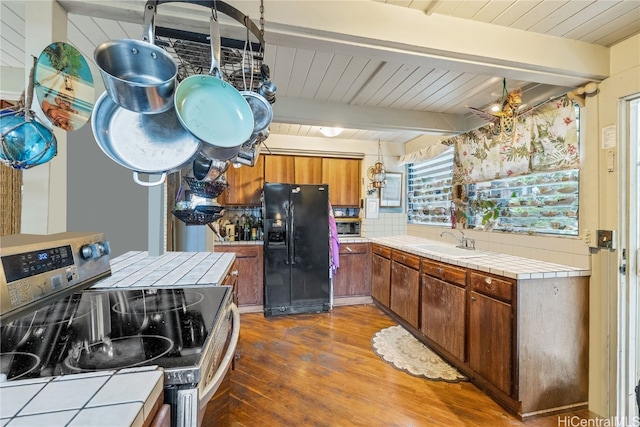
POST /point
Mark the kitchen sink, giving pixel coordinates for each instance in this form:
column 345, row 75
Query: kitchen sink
column 450, row 251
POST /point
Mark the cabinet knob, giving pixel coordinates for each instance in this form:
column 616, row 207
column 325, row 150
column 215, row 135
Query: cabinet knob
column 473, row 298
column 440, row 270
column 234, row 273
column 349, row 249
column 487, row 280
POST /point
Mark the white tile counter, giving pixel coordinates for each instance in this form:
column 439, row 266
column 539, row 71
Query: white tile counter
column 353, row 239
column 178, row 269
column 109, row 398
column 240, row 242
column 490, row 262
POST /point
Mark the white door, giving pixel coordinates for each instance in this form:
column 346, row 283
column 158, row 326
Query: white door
column 629, row 296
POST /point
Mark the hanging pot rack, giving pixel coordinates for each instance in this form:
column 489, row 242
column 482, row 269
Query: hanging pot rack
column 192, row 51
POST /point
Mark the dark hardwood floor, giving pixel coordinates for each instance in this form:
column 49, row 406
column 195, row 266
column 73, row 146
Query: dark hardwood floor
column 320, row 370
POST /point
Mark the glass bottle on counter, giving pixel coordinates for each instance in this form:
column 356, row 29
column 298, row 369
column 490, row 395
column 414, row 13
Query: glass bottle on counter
column 260, row 231
column 246, row 231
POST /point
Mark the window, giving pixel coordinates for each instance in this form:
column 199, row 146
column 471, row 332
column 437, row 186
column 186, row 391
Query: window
column 536, row 203
column 429, row 190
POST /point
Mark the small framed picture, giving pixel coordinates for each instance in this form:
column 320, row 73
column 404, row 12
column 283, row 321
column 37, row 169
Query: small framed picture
column 391, row 194
column 373, row 208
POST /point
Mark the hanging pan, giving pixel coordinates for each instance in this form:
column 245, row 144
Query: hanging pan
column 260, row 107
column 145, row 143
column 212, row 109
column 138, row 75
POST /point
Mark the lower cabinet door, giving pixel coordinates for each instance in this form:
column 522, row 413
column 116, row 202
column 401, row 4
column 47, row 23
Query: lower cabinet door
column 405, row 293
column 381, row 279
column 353, row 276
column 443, row 314
column 490, row 340
column 250, row 280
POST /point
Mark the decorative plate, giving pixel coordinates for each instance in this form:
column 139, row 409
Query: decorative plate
column 64, row 86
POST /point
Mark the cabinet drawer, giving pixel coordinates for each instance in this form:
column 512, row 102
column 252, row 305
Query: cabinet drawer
column 445, row 272
column 491, row 286
column 409, row 260
column 353, row 248
column 242, row 251
column 383, row 251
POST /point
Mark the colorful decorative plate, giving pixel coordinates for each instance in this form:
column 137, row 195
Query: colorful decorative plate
column 64, row 86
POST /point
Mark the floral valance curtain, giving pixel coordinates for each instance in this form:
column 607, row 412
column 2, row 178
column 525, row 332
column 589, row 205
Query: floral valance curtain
column 545, row 139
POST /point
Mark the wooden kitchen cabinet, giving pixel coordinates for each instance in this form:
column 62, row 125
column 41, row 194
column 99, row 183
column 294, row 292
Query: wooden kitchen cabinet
column 525, row 342
column 231, row 279
column 249, row 266
column 405, row 287
column 443, row 297
column 491, row 329
column 490, row 334
column 308, row 170
column 353, row 277
column 343, row 177
column 245, row 185
column 279, row 169
column 381, row 274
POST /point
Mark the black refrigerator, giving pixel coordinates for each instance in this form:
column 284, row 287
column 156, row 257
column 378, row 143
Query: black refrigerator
column 296, row 248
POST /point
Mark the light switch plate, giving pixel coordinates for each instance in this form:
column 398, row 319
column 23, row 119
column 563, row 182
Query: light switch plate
column 606, row 239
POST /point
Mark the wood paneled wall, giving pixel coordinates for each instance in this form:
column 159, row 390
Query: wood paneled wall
column 10, row 200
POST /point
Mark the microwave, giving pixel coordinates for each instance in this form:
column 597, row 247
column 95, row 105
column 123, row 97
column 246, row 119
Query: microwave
column 348, row 226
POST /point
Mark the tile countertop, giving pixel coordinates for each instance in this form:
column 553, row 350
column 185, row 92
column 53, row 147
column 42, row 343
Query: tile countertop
column 122, row 397
column 178, row 269
column 239, row 242
column 109, row 398
column 491, row 262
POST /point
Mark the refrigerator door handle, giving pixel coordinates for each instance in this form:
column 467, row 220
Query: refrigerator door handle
column 290, row 236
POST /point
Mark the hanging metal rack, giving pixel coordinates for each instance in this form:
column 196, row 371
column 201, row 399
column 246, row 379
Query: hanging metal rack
column 192, row 51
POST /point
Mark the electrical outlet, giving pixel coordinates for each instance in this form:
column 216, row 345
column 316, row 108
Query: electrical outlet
column 606, row 239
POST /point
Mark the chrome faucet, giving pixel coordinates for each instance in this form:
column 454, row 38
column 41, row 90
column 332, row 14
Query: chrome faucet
column 465, row 242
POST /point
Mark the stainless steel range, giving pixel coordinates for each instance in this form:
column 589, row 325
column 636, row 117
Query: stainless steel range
column 191, row 331
column 37, row 269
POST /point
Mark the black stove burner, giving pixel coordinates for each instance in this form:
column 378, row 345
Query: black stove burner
column 17, row 364
column 118, row 353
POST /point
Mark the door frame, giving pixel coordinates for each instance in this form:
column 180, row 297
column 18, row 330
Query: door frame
column 628, row 295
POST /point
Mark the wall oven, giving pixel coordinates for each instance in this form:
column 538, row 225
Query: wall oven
column 190, row 331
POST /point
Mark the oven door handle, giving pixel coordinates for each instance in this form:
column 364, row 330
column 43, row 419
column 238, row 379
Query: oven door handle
column 208, row 393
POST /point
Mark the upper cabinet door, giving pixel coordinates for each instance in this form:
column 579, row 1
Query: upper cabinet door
column 279, row 169
column 245, row 185
column 308, row 170
column 343, row 177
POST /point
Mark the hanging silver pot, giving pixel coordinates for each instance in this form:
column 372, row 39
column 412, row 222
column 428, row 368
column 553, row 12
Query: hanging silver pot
column 138, row 75
column 260, row 107
column 209, row 170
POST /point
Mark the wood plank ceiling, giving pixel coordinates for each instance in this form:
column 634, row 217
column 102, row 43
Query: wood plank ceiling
column 384, row 69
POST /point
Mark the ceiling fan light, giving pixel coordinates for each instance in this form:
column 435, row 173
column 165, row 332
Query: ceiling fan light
column 331, row 132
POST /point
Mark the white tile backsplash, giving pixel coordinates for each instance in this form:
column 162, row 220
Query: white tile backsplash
column 388, row 224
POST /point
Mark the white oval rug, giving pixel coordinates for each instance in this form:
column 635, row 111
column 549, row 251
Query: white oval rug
column 396, row 346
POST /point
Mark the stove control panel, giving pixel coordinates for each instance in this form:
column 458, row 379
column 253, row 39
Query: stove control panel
column 38, row 268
